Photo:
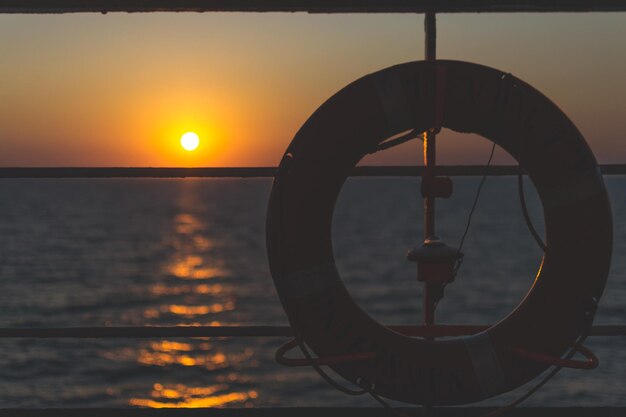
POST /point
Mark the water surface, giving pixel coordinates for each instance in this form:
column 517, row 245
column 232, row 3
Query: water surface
column 133, row 252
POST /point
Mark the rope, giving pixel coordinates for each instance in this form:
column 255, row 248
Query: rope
column 581, row 339
column 344, row 389
column 541, row 383
column 522, row 199
column 324, row 375
column 471, row 213
column 413, row 134
column 459, row 262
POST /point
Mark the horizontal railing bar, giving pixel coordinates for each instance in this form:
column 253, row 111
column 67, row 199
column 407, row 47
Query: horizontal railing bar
column 263, row 172
column 311, row 6
column 242, row 331
column 142, row 332
column 361, row 411
column 132, row 172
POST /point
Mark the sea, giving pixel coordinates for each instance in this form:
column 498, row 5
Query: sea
column 152, row 252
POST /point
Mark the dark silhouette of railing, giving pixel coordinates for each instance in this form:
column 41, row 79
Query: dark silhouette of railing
column 147, row 332
column 311, row 6
column 259, row 172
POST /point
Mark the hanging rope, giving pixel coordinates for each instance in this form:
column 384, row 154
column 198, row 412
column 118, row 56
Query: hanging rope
column 474, row 205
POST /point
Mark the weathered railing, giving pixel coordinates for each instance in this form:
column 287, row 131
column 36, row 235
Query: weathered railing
column 311, row 6
column 320, row 411
column 252, row 172
column 146, row 332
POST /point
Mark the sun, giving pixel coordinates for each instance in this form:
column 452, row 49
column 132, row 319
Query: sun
column 189, row 141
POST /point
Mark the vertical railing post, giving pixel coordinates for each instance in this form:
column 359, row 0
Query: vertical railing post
column 430, row 162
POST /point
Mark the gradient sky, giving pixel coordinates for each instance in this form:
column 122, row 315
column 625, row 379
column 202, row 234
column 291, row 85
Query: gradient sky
column 120, row 90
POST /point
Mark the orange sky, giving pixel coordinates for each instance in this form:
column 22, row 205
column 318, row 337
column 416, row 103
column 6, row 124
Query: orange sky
column 120, row 90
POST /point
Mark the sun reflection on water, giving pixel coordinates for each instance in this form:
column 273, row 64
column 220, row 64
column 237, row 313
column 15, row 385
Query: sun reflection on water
column 182, row 396
column 184, row 296
column 187, row 224
column 207, row 361
column 189, row 311
column 171, row 346
column 193, row 267
column 161, row 289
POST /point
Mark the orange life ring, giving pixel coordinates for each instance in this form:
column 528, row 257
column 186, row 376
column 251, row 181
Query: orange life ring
column 560, row 304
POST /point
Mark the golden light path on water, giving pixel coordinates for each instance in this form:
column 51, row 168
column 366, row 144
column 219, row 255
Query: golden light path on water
column 191, row 397
column 191, row 298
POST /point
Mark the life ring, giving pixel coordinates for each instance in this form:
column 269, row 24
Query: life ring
column 473, row 98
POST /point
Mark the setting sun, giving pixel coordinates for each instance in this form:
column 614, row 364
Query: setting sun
column 189, row 141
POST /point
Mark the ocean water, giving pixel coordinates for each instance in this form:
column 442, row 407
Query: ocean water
column 130, row 252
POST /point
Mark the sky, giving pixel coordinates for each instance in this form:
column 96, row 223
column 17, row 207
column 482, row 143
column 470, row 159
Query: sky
column 121, row 89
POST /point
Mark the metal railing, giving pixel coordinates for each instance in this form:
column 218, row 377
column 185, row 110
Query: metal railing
column 311, row 6
column 147, row 332
column 261, row 172
column 254, row 172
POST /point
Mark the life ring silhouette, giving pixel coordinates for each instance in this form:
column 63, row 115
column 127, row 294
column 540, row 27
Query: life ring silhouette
column 472, row 98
